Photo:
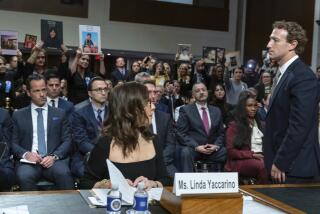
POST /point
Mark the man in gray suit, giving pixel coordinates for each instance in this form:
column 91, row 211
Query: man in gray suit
column 200, row 131
column 41, row 139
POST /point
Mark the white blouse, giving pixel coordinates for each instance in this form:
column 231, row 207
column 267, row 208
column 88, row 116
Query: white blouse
column 256, row 139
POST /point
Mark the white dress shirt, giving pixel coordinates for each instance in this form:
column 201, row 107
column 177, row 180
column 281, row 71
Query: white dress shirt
column 200, row 112
column 284, row 67
column 56, row 101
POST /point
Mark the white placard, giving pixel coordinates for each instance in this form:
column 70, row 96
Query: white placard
column 198, row 183
column 90, row 39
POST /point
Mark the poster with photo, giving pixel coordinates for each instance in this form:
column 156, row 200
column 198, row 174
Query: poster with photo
column 51, row 34
column 233, row 59
column 30, row 41
column 184, row 52
column 220, row 55
column 209, row 54
column 9, row 42
column 90, row 39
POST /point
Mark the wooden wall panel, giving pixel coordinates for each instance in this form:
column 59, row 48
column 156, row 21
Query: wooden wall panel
column 162, row 13
column 74, row 8
column 260, row 16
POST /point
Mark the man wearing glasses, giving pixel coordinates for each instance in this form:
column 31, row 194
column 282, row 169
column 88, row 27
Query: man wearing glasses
column 87, row 122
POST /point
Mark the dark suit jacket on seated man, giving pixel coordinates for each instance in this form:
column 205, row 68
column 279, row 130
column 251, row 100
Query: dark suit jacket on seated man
column 291, row 147
column 200, row 130
column 6, row 166
column 41, row 134
column 86, row 126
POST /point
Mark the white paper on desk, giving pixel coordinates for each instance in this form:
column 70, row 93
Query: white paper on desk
column 116, row 176
column 22, row 209
column 22, row 160
column 250, row 206
column 126, row 190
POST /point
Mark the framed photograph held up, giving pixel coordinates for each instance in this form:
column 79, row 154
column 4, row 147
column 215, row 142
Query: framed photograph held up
column 30, row 41
column 209, row 54
column 9, row 42
column 90, row 39
column 184, row 52
column 51, row 34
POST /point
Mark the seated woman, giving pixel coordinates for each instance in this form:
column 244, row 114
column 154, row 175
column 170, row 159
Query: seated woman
column 219, row 100
column 127, row 142
column 244, row 140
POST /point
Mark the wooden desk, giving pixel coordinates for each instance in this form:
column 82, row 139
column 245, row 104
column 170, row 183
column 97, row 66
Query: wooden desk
column 57, row 202
column 290, row 198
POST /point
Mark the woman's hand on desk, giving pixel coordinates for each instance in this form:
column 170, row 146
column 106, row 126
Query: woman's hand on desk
column 103, row 184
column 147, row 183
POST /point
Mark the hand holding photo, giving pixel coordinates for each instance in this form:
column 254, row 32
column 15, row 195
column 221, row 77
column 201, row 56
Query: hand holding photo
column 209, row 55
column 9, row 42
column 30, row 41
column 51, row 33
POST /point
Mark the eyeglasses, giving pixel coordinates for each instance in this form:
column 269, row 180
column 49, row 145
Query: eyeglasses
column 100, row 90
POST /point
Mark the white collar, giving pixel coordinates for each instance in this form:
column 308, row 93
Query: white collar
column 284, row 67
column 34, row 106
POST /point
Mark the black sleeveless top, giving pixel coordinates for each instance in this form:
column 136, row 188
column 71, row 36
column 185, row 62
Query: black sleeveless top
column 96, row 168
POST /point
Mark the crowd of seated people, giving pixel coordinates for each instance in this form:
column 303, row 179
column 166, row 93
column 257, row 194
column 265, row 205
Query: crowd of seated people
column 152, row 120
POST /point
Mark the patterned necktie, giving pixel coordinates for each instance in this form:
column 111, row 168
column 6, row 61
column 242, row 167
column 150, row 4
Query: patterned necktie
column 99, row 118
column 53, row 103
column 275, row 80
column 205, row 119
column 41, row 134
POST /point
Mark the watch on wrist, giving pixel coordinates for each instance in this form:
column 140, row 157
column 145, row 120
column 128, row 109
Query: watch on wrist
column 55, row 157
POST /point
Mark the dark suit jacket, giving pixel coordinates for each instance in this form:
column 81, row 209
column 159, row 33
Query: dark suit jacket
column 165, row 138
column 116, row 76
column 291, row 138
column 58, row 132
column 85, row 132
column 66, row 105
column 191, row 131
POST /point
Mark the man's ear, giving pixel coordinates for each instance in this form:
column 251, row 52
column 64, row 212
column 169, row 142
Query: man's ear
column 293, row 44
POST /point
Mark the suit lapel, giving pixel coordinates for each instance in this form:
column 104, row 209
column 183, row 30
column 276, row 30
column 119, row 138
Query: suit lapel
column 29, row 126
column 92, row 117
column 49, row 125
column 281, row 83
column 198, row 117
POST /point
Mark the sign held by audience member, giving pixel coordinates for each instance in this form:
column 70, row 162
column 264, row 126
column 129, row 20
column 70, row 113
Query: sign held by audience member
column 203, row 183
column 51, row 34
column 9, row 42
column 184, row 52
column 233, row 59
column 30, row 41
column 209, row 54
column 90, row 39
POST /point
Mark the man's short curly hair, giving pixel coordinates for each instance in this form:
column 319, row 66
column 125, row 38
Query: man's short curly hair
column 295, row 32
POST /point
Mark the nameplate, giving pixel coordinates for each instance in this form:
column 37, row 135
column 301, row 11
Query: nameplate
column 198, row 183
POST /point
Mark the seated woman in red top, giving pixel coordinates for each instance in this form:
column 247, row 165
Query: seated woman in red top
column 244, row 140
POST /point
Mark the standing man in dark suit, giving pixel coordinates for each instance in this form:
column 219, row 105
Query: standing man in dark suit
column 162, row 127
column 291, row 147
column 7, row 176
column 87, row 122
column 120, row 73
column 54, row 91
column 41, row 136
column 200, row 130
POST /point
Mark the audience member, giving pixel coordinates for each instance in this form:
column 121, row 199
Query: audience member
column 135, row 68
column 159, row 76
column 87, row 123
column 53, row 93
column 184, row 80
column 120, row 73
column 264, row 86
column 219, row 100
column 41, row 136
column 234, row 85
column 199, row 74
column 244, row 140
column 200, row 130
